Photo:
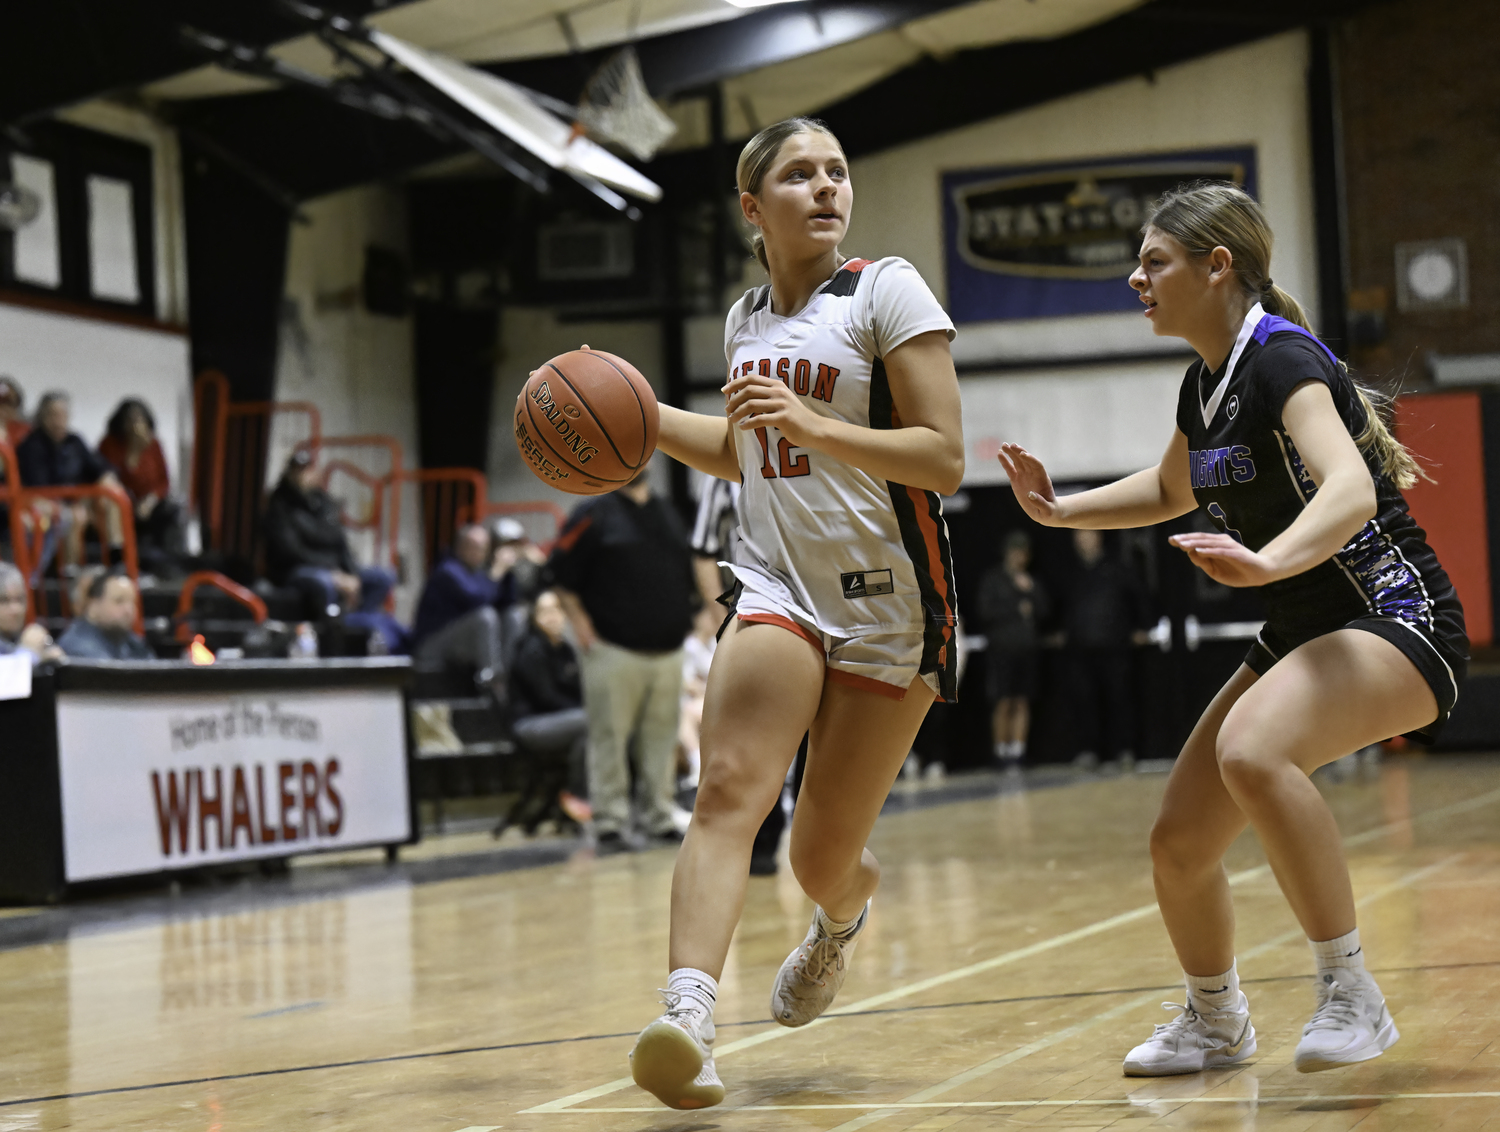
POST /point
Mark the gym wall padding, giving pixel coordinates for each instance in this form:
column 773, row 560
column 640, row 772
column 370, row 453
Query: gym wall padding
column 1446, row 433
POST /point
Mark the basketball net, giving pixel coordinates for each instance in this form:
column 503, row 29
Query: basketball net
column 617, row 106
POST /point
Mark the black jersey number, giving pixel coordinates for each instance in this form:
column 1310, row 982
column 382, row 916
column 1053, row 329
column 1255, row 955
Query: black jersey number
column 790, row 465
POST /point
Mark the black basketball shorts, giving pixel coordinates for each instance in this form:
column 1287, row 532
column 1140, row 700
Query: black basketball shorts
column 1440, row 654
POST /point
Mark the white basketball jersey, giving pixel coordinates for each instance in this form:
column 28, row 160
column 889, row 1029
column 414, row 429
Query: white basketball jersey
column 856, row 553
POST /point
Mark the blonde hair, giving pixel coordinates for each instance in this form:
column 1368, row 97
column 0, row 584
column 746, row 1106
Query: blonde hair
column 758, row 155
column 1208, row 214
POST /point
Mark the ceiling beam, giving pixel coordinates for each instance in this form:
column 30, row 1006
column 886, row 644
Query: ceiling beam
column 54, row 54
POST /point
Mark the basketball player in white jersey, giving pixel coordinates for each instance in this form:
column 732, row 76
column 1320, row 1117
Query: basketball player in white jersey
column 843, row 429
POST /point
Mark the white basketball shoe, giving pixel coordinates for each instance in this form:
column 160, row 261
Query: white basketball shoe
column 1350, row 1025
column 673, row 1058
column 813, row 973
column 1194, row 1041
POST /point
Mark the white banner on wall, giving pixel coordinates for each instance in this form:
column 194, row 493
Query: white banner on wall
column 172, row 781
column 1083, row 423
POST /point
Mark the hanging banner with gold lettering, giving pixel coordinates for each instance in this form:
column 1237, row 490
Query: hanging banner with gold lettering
column 1037, row 241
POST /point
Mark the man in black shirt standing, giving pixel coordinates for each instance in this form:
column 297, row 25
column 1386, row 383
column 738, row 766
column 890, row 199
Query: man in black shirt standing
column 1105, row 615
column 625, row 575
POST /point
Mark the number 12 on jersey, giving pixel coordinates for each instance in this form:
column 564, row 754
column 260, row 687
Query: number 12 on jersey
column 790, row 465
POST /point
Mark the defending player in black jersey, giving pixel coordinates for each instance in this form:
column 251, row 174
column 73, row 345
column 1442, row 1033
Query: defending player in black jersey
column 1364, row 636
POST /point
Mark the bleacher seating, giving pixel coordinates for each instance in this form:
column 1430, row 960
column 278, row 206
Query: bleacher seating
column 228, row 602
column 232, row 464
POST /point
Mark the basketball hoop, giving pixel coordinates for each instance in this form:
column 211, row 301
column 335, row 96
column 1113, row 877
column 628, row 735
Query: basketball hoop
column 617, row 107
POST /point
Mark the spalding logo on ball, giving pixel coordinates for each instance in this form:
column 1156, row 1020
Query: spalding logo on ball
column 586, row 422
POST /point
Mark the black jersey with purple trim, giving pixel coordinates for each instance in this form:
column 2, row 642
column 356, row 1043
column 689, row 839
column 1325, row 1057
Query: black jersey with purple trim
column 1249, row 479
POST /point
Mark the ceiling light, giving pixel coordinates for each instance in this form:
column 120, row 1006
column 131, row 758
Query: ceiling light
column 757, row 3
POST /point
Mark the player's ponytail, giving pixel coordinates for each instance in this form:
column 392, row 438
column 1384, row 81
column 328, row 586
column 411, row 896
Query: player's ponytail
column 759, row 155
column 1205, row 215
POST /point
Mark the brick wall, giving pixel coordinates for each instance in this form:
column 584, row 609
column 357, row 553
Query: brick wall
column 1420, row 93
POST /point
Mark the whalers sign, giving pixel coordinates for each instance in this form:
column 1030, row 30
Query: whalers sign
column 166, row 782
column 1042, row 240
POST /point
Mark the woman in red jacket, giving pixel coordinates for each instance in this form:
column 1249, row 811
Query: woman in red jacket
column 131, row 448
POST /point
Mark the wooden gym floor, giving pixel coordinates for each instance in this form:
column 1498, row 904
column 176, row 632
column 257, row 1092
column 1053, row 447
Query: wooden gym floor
column 1014, row 955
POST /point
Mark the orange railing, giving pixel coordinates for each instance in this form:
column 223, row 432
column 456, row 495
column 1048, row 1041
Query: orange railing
column 247, row 448
column 26, row 537
column 229, row 478
column 193, row 582
column 449, row 497
column 231, row 447
column 30, row 547
column 10, row 499
column 206, row 474
column 382, row 519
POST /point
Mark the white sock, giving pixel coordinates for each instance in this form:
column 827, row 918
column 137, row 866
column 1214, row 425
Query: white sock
column 836, row 927
column 1018, row 749
column 1215, row 992
column 1002, row 750
column 1341, row 952
column 696, row 987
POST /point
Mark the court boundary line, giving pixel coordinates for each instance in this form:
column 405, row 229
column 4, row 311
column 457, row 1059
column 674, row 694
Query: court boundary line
column 252, row 1074
column 567, row 1103
column 994, row 1065
column 1368, row 835
column 1085, row 1101
column 1165, row 988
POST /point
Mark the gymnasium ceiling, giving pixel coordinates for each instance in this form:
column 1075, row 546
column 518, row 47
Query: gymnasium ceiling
column 881, row 71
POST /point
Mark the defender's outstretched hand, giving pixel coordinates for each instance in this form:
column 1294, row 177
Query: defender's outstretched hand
column 1226, row 561
column 1031, row 483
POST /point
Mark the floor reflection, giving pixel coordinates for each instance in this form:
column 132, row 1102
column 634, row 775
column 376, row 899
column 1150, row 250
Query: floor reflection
column 146, row 1003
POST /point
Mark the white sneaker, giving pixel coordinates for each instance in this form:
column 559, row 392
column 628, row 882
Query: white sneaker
column 673, row 1058
column 1350, row 1025
column 813, row 973
column 1194, row 1041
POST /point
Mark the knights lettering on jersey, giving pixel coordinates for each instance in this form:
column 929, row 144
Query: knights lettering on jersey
column 796, row 375
column 1218, row 467
column 1252, row 483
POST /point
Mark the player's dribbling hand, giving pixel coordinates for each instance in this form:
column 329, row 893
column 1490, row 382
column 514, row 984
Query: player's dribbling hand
column 753, row 402
column 1226, row 561
column 1031, row 483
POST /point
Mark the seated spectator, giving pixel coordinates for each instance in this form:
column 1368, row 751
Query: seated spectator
column 106, row 631
column 15, row 634
column 522, row 563
column 548, row 717
column 130, row 447
column 12, row 418
column 457, row 622
column 307, row 547
column 54, row 456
